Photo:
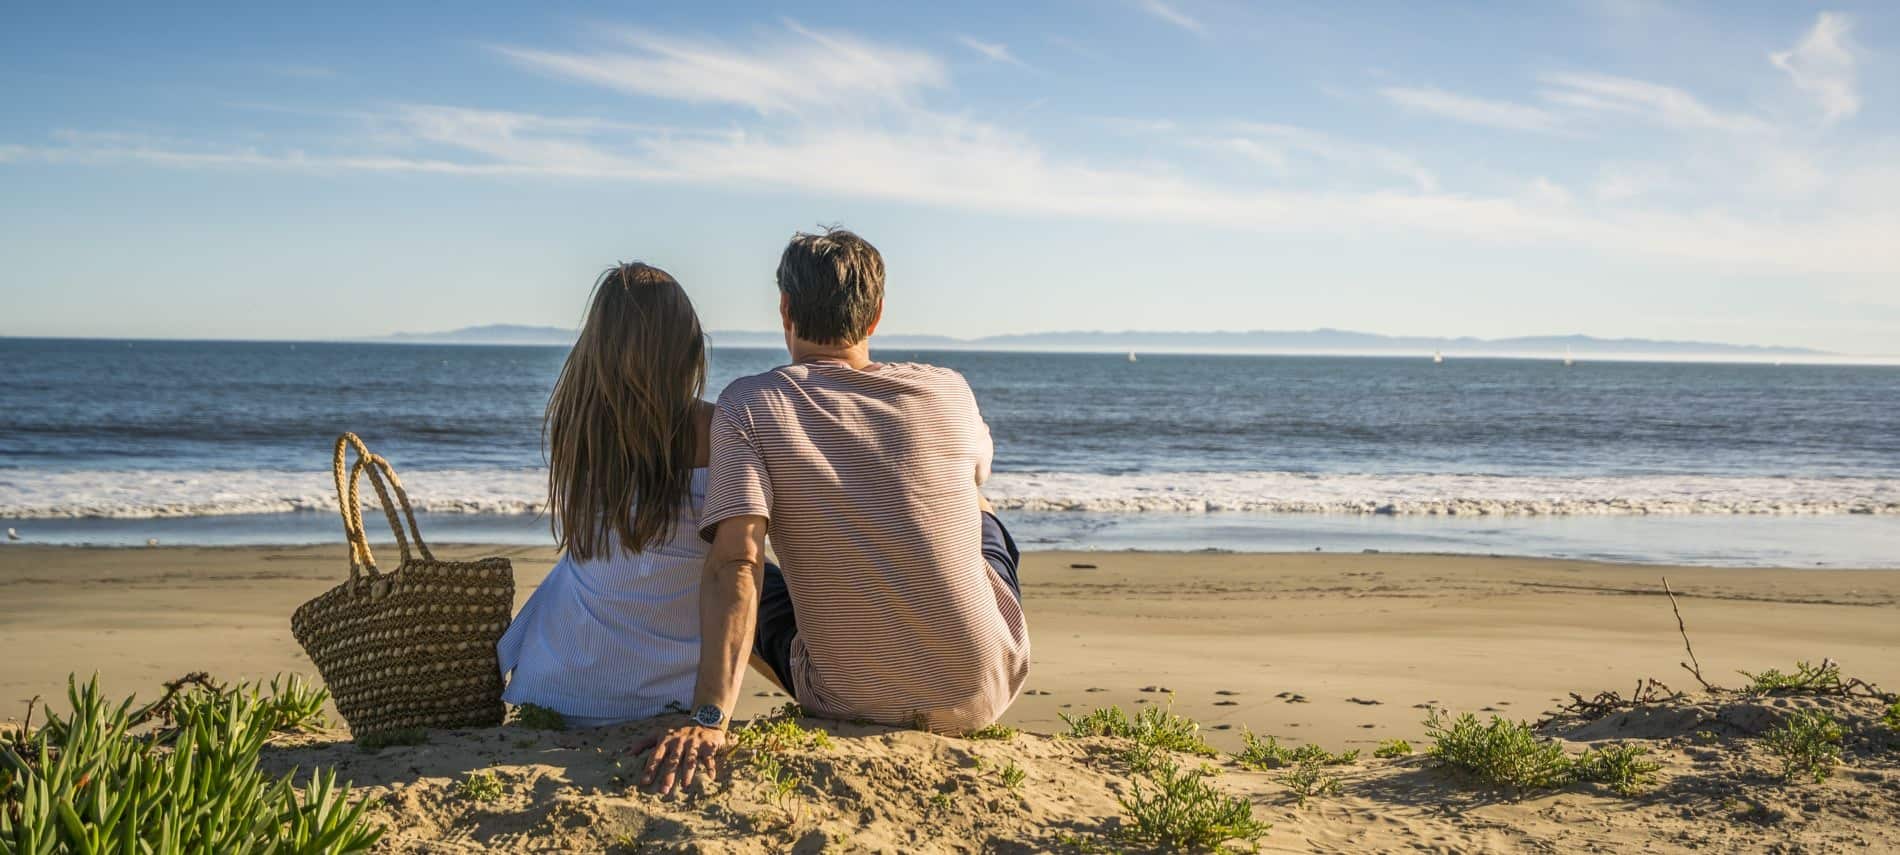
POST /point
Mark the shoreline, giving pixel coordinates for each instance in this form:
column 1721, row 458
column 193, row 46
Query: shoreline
column 1733, row 541
column 475, row 546
column 1344, row 649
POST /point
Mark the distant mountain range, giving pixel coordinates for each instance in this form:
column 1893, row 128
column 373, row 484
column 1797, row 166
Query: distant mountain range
column 1259, row 341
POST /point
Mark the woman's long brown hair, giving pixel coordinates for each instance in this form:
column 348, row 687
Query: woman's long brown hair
column 620, row 429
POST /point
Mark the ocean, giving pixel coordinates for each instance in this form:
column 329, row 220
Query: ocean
column 117, row 442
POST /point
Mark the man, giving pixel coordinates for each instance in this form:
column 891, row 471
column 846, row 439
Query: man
column 898, row 601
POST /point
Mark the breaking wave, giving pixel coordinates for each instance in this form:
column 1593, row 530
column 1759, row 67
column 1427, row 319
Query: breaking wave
column 150, row 494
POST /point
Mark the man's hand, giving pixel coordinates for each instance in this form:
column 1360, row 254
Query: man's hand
column 679, row 755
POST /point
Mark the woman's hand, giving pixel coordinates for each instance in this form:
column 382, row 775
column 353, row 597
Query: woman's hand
column 678, row 756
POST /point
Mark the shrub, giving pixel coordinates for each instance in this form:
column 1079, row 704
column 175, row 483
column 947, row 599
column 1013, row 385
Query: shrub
column 1393, row 748
column 1822, row 678
column 89, row 783
column 1808, row 743
column 1622, row 768
column 1182, row 812
column 1499, row 753
column 378, row 741
column 1154, row 726
column 778, row 732
column 1012, row 775
column 1309, row 779
column 1892, row 718
column 999, row 732
column 480, row 787
column 1142, row 759
column 1268, row 753
column 537, row 717
column 765, row 739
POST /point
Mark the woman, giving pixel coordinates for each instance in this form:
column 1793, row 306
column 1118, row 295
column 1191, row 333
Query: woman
column 612, row 634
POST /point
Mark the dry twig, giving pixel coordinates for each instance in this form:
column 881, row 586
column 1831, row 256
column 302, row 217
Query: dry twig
column 1692, row 666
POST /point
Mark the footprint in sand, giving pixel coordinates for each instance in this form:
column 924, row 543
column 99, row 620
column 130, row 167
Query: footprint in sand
column 1093, row 689
column 1368, row 726
column 1222, row 727
column 1364, row 702
column 1226, row 703
column 1292, row 697
column 1226, row 692
column 1153, row 689
column 1489, row 709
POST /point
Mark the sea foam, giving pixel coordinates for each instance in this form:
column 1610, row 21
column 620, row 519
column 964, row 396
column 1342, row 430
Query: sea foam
column 149, row 494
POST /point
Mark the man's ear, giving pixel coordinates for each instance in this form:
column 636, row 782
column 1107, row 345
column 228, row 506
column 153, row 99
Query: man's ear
column 872, row 329
column 785, row 310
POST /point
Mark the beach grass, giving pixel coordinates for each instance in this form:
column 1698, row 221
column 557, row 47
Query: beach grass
column 174, row 776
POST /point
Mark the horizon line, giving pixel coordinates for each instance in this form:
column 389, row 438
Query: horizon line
column 1807, row 358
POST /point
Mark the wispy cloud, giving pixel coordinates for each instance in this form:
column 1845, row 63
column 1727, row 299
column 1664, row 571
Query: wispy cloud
column 1573, row 101
column 1472, row 110
column 1822, row 64
column 797, row 68
column 992, row 51
column 1283, row 149
column 796, row 121
column 1169, row 13
column 1652, row 102
column 946, row 161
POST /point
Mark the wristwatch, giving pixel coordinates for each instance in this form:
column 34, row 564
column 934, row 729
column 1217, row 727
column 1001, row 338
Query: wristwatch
column 709, row 715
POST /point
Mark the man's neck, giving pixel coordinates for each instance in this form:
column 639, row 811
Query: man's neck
column 855, row 355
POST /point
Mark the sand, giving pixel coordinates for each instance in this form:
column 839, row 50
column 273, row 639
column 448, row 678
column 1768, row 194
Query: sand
column 1345, row 650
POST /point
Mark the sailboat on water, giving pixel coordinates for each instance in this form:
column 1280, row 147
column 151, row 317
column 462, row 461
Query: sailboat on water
column 1131, row 356
column 1438, row 357
column 1569, row 359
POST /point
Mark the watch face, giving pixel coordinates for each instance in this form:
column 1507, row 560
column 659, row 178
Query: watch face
column 709, row 716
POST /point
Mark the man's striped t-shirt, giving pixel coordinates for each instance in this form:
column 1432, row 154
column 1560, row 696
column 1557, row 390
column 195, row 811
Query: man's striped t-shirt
column 868, row 481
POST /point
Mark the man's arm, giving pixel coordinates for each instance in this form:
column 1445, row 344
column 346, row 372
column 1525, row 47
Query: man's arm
column 729, row 590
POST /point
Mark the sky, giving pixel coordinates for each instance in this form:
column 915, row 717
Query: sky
column 1721, row 172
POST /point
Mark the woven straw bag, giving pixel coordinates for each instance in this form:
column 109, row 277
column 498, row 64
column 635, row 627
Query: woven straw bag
column 415, row 646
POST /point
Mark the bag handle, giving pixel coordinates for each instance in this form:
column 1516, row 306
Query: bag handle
column 350, row 503
column 382, row 476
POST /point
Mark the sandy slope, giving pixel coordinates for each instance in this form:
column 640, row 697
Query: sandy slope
column 877, row 790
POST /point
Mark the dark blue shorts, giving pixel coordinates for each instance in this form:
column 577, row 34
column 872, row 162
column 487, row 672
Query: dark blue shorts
column 778, row 624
